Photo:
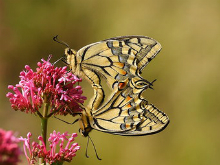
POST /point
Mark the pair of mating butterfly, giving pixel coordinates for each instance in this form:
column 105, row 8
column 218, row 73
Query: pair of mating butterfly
column 120, row 61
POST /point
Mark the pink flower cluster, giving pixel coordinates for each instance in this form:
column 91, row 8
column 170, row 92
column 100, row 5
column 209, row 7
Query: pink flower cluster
column 49, row 84
column 9, row 150
column 56, row 140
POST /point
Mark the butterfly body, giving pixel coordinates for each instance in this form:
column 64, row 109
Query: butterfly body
column 119, row 61
column 84, row 122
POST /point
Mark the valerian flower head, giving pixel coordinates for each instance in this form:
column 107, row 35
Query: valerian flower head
column 48, row 84
column 58, row 152
column 9, row 149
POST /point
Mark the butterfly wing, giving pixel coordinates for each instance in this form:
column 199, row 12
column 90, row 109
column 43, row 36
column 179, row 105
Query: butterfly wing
column 128, row 113
column 120, row 61
column 118, row 58
column 145, row 48
column 115, row 59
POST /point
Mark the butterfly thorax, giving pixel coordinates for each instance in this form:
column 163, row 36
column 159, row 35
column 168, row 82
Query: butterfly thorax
column 73, row 61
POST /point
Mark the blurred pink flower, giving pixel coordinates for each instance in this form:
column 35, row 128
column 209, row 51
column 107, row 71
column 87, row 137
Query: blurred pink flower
column 49, row 84
column 9, row 150
column 58, row 153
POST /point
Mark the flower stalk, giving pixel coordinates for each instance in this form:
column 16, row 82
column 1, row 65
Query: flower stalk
column 44, row 122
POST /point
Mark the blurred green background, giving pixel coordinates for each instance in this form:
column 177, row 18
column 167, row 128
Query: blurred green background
column 187, row 71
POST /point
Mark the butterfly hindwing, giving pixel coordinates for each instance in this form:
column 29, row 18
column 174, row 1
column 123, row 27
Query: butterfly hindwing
column 127, row 113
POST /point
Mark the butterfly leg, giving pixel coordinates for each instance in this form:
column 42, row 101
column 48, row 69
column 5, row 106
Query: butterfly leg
column 66, row 121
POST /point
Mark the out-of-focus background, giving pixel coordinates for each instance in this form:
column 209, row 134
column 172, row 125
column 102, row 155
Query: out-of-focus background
column 187, row 71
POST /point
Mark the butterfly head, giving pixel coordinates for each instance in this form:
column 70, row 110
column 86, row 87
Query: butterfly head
column 70, row 53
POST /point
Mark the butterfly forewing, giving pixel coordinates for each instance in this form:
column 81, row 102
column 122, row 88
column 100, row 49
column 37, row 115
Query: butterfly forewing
column 119, row 58
column 144, row 48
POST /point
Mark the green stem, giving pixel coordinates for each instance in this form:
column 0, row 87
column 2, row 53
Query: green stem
column 44, row 121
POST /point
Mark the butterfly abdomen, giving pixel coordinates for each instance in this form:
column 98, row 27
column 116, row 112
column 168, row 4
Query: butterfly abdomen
column 84, row 122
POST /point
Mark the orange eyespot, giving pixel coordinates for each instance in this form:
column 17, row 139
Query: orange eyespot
column 127, row 125
column 121, row 85
column 128, row 106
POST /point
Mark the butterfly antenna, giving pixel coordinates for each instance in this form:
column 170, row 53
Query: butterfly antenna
column 60, row 42
column 89, row 138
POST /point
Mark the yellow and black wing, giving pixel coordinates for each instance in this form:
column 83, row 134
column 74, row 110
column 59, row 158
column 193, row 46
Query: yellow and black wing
column 144, row 48
column 120, row 61
column 115, row 59
column 128, row 113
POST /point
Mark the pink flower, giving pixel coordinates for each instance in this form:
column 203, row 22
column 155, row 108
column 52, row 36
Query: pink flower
column 48, row 84
column 9, row 150
column 58, row 153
